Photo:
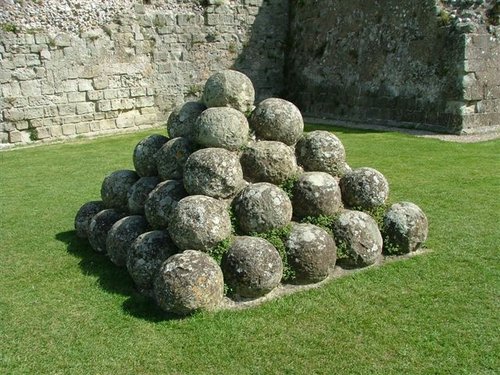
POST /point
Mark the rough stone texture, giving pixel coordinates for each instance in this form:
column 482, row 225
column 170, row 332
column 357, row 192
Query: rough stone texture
column 189, row 282
column 252, row 267
column 144, row 154
column 139, row 192
column 181, row 122
column 404, row 229
column 276, row 119
column 115, row 188
column 315, row 194
column 170, row 159
column 222, row 127
column 261, row 207
column 311, row 253
column 199, row 222
column 364, row 188
column 229, row 88
column 121, row 236
column 357, row 236
column 162, row 201
column 85, row 215
column 99, row 227
column 214, row 172
column 268, row 161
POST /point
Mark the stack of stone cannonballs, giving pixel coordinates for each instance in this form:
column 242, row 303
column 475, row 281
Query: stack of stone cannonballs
column 219, row 177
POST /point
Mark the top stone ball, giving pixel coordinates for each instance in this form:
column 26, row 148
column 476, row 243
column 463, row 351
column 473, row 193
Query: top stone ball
column 229, row 88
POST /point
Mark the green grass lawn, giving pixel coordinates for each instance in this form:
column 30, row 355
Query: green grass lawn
column 67, row 310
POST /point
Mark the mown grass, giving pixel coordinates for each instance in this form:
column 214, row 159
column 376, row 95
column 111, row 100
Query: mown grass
column 67, row 310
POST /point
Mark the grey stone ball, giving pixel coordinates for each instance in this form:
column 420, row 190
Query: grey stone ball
column 144, row 154
column 229, row 88
column 170, row 159
column 199, row 222
column 358, row 237
column 85, row 215
column 214, row 172
column 99, row 227
column 364, row 188
column 181, row 122
column 276, row 119
column 315, row 194
column 139, row 192
column 311, row 253
column 321, row 151
column 404, row 229
column 268, row 161
column 222, row 127
column 252, row 267
column 115, row 188
column 189, row 282
column 162, row 201
column 261, row 207
column 145, row 257
column 121, row 236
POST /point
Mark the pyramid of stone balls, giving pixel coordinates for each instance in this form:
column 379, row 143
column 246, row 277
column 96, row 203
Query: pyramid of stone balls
column 220, row 177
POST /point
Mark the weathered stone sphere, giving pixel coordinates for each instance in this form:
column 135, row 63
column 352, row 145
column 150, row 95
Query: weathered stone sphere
column 252, row 267
column 115, row 188
column 315, row 194
column 358, row 237
column 214, row 172
column 170, row 159
column 146, row 255
column 229, row 88
column 189, row 282
column 364, row 188
column 199, row 222
column 85, row 215
column 161, row 202
column 121, row 236
column 181, row 122
column 404, row 229
column 139, row 192
column 144, row 154
column 276, row 119
column 311, row 253
column 99, row 227
column 268, row 161
column 261, row 207
column 321, row 151
column 222, row 127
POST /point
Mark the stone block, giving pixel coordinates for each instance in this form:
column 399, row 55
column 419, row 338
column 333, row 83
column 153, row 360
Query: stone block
column 41, row 133
column 95, row 126
column 85, row 85
column 24, row 74
column 22, row 125
column 13, row 114
column 146, row 101
column 5, row 76
column 36, row 123
column 15, row 136
column 100, row 83
column 36, row 48
column 85, row 108
column 31, row 88
column 95, row 95
column 33, row 59
column 137, row 91
column 126, row 119
column 11, row 89
column 70, row 85
column 47, row 88
column 41, row 38
column 62, row 40
column 83, row 127
column 107, row 124
column 66, row 109
column 33, row 112
column 74, row 97
column 68, row 129
column 104, row 105
column 55, row 131
column 50, row 111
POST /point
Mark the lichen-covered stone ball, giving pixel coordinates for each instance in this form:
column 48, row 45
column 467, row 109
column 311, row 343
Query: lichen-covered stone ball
column 311, row 253
column 214, row 172
column 364, row 188
column 144, row 154
column 85, row 215
column 115, row 188
column 161, row 202
column 229, row 88
column 189, row 282
column 261, row 207
column 252, row 267
column 268, row 161
column 139, row 192
column 199, row 222
column 99, row 227
column 121, row 236
column 181, row 122
column 358, row 238
column 404, row 229
column 170, row 159
column 315, row 194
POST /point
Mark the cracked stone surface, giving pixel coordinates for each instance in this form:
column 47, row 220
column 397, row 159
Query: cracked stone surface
column 162, row 201
column 139, row 192
column 181, row 122
column 144, row 154
column 99, row 227
column 115, row 188
column 121, row 236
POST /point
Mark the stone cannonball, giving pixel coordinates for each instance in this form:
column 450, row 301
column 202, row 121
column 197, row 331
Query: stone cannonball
column 115, row 188
column 99, row 227
column 252, row 267
column 315, row 194
column 358, row 237
column 188, row 282
column 229, row 88
column 170, row 159
column 181, row 122
column 121, row 236
column 84, row 215
column 311, row 252
column 404, row 229
column 161, row 202
column 139, row 192
column 364, row 188
column 144, row 154
column 199, row 222
column 261, row 207
column 268, row 161
column 276, row 119
column 214, row 172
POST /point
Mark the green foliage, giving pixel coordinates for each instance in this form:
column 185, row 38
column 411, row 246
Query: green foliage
column 322, row 221
column 377, row 213
column 9, row 27
column 288, row 184
column 218, row 251
column 444, row 17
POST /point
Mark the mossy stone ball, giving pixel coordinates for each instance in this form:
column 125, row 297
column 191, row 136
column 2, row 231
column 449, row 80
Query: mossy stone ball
column 229, row 88
column 85, row 215
column 121, row 236
column 115, row 188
